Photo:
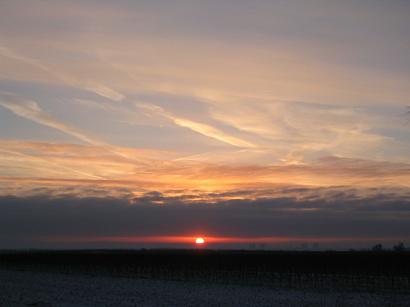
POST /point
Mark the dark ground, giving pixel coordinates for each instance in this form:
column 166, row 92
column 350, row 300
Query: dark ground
column 377, row 272
column 49, row 289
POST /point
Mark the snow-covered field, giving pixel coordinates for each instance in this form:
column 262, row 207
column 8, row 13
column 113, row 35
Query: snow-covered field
column 19, row 288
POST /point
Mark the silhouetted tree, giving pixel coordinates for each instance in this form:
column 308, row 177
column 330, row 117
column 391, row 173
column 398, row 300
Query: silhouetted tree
column 399, row 247
column 377, row 248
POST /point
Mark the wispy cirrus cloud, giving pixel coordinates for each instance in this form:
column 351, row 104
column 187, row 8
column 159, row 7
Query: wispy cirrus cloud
column 66, row 78
column 30, row 110
column 201, row 128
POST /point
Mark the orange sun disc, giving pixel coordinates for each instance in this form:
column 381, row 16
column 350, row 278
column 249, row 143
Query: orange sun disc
column 199, row 241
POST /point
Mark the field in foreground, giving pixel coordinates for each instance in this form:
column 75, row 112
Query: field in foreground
column 27, row 288
column 353, row 271
column 203, row 278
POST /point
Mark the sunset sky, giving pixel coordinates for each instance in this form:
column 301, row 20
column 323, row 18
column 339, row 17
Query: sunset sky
column 151, row 122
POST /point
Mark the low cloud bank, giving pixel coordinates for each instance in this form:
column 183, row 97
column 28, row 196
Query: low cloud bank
column 304, row 213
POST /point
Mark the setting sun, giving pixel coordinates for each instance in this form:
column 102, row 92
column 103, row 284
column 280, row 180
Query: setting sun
column 199, row 241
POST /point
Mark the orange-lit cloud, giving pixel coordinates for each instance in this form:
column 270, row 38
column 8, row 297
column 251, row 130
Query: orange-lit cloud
column 34, row 164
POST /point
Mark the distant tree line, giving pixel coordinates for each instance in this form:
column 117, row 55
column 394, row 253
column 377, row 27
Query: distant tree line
column 399, row 247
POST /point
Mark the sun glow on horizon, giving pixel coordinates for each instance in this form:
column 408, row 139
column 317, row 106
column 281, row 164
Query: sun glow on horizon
column 199, row 241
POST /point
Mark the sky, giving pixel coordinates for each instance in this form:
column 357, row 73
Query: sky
column 151, row 122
